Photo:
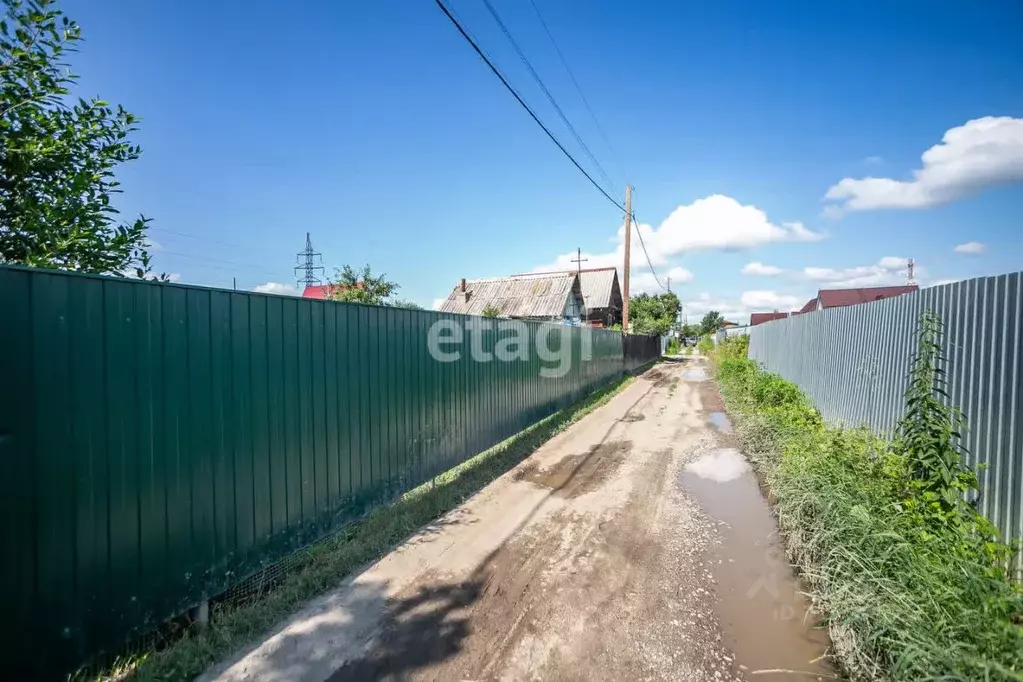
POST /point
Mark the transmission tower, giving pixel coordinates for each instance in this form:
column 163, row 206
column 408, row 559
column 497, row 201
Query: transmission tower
column 308, row 266
column 912, row 266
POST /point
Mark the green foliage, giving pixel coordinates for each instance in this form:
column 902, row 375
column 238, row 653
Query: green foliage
column 491, row 311
column 711, row 322
column 57, row 156
column 913, row 586
column 690, row 331
column 653, row 314
column 705, row 346
column 401, row 303
column 350, row 286
column 733, row 347
column 674, row 347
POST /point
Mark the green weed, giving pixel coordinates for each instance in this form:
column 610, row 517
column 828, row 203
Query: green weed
column 915, row 583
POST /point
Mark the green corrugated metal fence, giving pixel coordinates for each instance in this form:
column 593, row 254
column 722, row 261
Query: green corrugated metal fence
column 158, row 442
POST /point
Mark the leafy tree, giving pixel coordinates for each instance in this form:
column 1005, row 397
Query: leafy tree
column 711, row 322
column 491, row 311
column 350, row 286
column 401, row 303
column 690, row 331
column 57, row 156
column 653, row 314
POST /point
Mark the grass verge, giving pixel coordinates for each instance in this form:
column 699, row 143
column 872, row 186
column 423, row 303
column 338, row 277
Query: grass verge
column 330, row 561
column 911, row 589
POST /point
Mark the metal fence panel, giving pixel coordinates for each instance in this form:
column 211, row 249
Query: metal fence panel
column 159, row 443
column 854, row 364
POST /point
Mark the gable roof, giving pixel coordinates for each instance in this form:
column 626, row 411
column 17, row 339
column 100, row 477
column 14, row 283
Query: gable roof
column 760, row 318
column 320, row 291
column 540, row 296
column 599, row 286
column 837, row 298
column 810, row 306
column 323, row 290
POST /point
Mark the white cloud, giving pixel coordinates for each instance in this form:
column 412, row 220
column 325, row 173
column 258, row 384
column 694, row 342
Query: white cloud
column 873, row 160
column 947, row 280
column 971, row 247
column 758, row 268
column 889, row 271
column 716, row 222
column 644, row 282
column 768, row 300
column 981, row 153
column 277, row 288
column 437, row 303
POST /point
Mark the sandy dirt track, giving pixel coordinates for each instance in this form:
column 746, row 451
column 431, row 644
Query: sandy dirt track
column 590, row 560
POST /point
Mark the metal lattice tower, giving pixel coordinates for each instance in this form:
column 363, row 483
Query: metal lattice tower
column 308, row 266
column 912, row 266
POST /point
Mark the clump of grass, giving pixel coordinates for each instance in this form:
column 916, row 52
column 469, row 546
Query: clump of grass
column 324, row 566
column 915, row 583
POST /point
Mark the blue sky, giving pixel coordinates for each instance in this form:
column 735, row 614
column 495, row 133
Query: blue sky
column 376, row 128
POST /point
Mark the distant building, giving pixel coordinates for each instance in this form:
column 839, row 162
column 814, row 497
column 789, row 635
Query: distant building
column 760, row 318
column 727, row 323
column 602, row 295
column 551, row 297
column 840, row 298
column 836, row 298
column 324, row 291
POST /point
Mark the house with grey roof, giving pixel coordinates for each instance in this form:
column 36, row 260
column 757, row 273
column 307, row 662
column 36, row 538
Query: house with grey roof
column 602, row 295
column 549, row 297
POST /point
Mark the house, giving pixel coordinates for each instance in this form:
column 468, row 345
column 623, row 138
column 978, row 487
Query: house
column 318, row 291
column 725, row 324
column 840, row 298
column 551, row 297
column 602, row 295
column 760, row 318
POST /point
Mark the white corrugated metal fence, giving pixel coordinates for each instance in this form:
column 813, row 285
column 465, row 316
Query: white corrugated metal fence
column 854, row 363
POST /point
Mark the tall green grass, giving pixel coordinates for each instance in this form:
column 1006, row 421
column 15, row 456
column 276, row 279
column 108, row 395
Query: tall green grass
column 914, row 583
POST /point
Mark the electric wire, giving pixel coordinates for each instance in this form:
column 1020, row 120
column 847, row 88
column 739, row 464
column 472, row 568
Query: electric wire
column 522, row 103
column 539, row 81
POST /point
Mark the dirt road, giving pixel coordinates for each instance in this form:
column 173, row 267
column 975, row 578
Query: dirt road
column 634, row 545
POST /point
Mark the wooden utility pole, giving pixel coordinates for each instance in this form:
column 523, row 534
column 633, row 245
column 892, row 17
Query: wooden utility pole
column 579, row 260
column 628, row 251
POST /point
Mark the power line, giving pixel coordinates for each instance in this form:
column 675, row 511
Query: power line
column 223, row 260
column 578, row 89
column 550, row 97
column 648, row 262
column 523, row 104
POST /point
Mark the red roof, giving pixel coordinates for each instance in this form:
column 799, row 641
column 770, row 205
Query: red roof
column 810, row 306
column 760, row 318
column 837, row 298
column 322, row 291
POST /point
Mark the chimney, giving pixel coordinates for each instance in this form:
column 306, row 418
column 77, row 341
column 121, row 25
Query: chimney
column 463, row 285
column 465, row 293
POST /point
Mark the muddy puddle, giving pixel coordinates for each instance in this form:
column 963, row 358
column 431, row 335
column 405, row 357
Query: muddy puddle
column 695, row 374
column 763, row 616
column 720, row 421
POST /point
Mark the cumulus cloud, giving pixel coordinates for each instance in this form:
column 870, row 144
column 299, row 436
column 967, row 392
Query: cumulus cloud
column 984, row 152
column 437, row 303
column 889, row 271
column 738, row 310
column 758, row 268
column 277, row 288
column 768, row 300
column 716, row 222
column 971, row 247
column 644, row 282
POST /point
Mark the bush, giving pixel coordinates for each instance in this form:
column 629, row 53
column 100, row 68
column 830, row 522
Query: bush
column 914, row 582
column 674, row 347
column 706, row 346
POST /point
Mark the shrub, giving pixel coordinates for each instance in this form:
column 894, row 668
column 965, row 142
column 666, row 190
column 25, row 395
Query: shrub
column 914, row 582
